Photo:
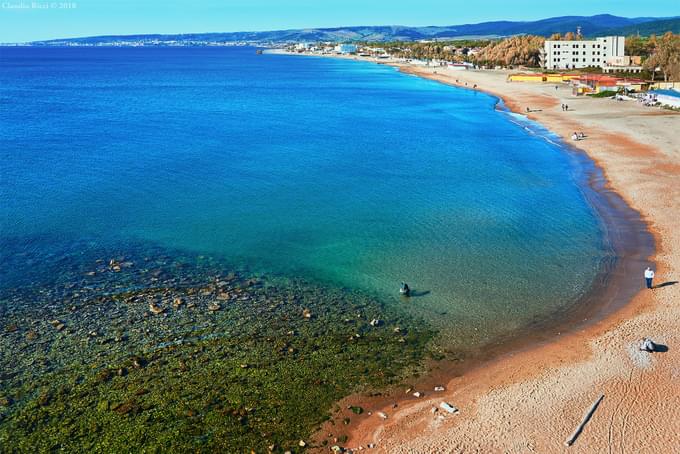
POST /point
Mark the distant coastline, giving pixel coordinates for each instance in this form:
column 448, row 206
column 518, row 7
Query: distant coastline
column 598, row 25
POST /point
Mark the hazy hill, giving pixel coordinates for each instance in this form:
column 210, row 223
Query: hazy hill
column 656, row 27
column 590, row 25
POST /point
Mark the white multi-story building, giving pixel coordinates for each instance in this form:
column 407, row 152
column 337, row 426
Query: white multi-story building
column 346, row 48
column 582, row 53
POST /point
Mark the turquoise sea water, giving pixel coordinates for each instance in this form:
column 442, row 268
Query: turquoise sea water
column 343, row 173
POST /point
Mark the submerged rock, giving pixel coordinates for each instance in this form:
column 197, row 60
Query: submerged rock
column 138, row 362
column 126, row 408
column 114, row 265
column 104, row 375
column 104, row 405
column 44, row 399
column 155, row 309
column 11, row 328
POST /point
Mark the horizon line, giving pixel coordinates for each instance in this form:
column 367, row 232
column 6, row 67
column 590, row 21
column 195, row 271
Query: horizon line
column 114, row 35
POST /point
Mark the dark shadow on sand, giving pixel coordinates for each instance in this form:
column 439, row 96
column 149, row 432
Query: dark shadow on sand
column 665, row 284
column 660, row 348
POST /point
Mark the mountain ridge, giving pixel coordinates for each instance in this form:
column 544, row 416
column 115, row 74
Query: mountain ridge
column 597, row 25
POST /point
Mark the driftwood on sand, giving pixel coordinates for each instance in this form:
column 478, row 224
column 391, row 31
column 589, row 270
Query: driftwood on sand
column 572, row 438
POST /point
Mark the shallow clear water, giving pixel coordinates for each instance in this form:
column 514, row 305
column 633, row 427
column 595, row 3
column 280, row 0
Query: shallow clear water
column 345, row 173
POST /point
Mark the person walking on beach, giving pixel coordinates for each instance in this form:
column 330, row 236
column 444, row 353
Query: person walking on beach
column 649, row 275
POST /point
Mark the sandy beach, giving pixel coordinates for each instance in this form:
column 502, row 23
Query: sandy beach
column 531, row 400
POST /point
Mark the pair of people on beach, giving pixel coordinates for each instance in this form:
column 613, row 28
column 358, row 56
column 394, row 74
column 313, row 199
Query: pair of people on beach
column 578, row 136
column 565, row 107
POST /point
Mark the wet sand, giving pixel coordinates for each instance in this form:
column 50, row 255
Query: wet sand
column 533, row 394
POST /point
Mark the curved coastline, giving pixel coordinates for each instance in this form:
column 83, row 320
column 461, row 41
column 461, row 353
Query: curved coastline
column 607, row 303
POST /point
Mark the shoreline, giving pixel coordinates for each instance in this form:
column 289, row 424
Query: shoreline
column 566, row 352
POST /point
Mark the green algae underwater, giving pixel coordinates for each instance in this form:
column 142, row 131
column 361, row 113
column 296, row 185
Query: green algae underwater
column 159, row 352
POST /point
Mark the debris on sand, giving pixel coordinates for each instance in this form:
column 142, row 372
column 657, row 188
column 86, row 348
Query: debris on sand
column 448, row 407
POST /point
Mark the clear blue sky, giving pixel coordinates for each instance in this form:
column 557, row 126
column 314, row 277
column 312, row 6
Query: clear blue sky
column 23, row 20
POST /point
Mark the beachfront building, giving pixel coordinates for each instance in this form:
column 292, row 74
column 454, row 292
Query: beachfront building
column 462, row 66
column 594, row 83
column 598, row 83
column 573, row 54
column 301, row 47
column 670, row 98
column 622, row 64
column 346, row 49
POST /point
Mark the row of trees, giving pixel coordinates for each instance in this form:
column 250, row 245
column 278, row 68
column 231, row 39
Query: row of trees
column 659, row 54
column 441, row 50
column 569, row 36
column 517, row 50
column 663, row 54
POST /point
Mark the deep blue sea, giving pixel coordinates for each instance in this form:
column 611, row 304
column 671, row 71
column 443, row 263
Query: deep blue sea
column 343, row 173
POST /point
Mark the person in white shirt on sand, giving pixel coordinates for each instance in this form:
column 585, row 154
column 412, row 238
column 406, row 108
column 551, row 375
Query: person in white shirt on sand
column 649, row 275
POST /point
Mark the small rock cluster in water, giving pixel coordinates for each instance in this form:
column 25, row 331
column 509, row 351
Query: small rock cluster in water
column 146, row 350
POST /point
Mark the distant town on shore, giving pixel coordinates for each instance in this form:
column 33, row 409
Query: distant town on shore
column 592, row 26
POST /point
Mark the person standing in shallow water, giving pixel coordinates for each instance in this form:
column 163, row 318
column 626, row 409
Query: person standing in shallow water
column 649, row 275
column 405, row 290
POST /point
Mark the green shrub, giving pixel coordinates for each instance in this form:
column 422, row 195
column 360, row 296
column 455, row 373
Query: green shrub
column 603, row 94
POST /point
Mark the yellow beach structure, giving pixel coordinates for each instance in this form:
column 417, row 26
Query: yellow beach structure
column 540, row 77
